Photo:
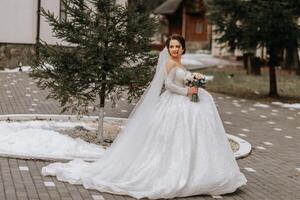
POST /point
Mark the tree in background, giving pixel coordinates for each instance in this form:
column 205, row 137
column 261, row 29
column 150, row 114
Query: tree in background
column 250, row 24
column 108, row 53
column 291, row 56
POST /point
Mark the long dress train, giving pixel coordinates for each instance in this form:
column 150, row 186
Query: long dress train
column 185, row 152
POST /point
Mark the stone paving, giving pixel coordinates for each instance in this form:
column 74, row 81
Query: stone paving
column 272, row 169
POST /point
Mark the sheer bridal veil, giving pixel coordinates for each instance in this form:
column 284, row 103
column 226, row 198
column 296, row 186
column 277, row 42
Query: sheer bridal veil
column 144, row 110
column 131, row 139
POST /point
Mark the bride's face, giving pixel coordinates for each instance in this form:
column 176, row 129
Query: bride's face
column 175, row 48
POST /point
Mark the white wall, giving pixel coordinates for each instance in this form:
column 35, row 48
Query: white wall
column 17, row 21
column 46, row 33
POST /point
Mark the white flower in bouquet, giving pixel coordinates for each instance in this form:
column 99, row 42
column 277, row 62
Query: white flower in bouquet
column 189, row 78
column 199, row 76
column 195, row 80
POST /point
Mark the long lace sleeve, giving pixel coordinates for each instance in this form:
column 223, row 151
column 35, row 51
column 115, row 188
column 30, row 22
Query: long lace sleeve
column 170, row 85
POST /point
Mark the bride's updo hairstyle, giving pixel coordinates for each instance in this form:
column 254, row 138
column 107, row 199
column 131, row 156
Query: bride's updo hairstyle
column 177, row 37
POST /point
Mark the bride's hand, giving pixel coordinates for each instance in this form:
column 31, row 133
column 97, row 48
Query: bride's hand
column 192, row 90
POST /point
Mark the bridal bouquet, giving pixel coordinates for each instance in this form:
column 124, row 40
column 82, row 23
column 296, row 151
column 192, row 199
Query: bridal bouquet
column 195, row 80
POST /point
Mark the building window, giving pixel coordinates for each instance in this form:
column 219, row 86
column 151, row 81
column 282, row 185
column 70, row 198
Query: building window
column 199, row 27
column 62, row 11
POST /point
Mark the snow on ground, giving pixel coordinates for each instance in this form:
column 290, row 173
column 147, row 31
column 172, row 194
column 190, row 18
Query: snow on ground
column 209, row 77
column 24, row 69
column 260, row 105
column 39, row 139
column 198, row 61
column 287, row 105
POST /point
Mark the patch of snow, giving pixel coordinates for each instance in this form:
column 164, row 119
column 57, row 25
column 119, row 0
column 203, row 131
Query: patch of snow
column 49, row 184
column 245, row 130
column 249, row 169
column 261, row 105
column 98, row 197
column 24, row 69
column 23, row 168
column 260, row 147
column 277, row 103
column 268, row 143
column 294, row 105
column 209, row 78
column 39, row 139
column 236, row 104
column 201, row 60
column 216, row 196
column 186, row 61
column 287, row 105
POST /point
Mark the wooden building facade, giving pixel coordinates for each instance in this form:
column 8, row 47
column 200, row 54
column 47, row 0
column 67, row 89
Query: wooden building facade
column 187, row 17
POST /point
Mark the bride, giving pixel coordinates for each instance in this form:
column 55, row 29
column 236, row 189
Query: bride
column 170, row 147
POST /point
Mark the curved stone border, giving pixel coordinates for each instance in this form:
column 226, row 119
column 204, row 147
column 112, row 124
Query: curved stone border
column 45, row 158
column 16, row 117
column 244, row 146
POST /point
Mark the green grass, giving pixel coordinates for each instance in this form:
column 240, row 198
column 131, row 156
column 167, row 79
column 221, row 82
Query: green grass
column 251, row 86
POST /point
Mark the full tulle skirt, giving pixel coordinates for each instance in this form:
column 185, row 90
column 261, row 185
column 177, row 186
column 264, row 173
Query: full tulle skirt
column 184, row 152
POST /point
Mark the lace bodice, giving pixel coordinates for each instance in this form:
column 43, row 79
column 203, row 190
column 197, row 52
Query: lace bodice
column 174, row 81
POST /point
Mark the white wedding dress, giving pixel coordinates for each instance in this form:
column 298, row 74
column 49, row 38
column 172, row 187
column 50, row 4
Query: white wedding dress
column 182, row 150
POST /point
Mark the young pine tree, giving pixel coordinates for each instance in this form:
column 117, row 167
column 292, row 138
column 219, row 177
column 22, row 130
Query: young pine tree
column 108, row 52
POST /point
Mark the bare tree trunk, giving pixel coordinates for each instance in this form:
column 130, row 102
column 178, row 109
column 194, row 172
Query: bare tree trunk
column 273, row 83
column 249, row 57
column 298, row 69
column 246, row 61
column 272, row 74
column 262, row 55
column 100, row 135
column 296, row 61
column 255, row 65
column 291, row 59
